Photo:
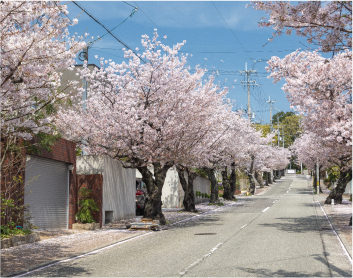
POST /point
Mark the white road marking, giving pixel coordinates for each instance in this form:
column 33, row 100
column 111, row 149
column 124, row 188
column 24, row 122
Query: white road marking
column 244, row 226
column 287, row 191
column 265, row 209
column 275, row 201
column 90, row 253
column 333, row 230
column 200, row 260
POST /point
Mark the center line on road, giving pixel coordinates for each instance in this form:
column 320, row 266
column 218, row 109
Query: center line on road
column 265, row 209
column 243, row 226
column 200, row 260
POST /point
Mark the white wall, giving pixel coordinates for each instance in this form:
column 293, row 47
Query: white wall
column 119, row 188
column 173, row 193
column 203, row 185
column 119, row 184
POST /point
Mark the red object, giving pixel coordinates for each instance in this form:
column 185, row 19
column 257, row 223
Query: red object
column 138, row 192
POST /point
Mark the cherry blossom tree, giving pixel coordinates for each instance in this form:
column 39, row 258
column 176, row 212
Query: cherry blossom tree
column 327, row 24
column 150, row 116
column 311, row 149
column 35, row 45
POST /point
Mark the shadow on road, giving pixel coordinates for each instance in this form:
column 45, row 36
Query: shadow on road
column 62, row 270
column 295, row 225
column 335, row 271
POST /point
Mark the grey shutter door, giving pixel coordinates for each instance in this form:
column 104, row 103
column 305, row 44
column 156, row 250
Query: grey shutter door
column 47, row 192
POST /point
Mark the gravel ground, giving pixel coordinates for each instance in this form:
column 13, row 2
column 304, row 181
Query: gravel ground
column 60, row 244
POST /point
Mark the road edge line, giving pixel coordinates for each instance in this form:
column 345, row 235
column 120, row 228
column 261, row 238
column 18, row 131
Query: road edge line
column 69, row 258
column 344, row 244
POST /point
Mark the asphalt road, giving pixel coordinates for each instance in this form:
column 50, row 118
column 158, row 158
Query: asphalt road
column 280, row 233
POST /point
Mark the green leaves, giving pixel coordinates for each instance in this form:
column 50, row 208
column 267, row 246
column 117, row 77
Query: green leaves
column 87, row 206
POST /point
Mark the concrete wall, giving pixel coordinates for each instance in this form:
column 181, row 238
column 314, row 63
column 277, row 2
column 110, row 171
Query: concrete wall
column 119, row 188
column 170, row 190
column 173, row 193
column 348, row 188
column 119, row 185
column 203, row 185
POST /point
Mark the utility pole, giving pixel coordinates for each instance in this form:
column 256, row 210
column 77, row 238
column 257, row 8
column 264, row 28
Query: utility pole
column 83, row 56
column 247, row 83
column 282, row 136
column 317, row 177
column 271, row 102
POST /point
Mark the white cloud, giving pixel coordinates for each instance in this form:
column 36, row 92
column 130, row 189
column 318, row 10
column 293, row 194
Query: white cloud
column 176, row 14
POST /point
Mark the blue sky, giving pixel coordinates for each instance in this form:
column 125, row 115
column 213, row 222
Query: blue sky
column 219, row 31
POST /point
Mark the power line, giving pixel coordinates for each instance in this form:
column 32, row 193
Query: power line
column 229, row 28
column 101, row 24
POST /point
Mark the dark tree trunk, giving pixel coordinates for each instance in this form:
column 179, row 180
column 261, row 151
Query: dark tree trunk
column 251, row 178
column 252, row 184
column 266, row 179
column 227, row 194
column 258, row 177
column 336, row 193
column 232, row 182
column 188, row 187
column 214, row 185
column 269, row 177
column 153, row 207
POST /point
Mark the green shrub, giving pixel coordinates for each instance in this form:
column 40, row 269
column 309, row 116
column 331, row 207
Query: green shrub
column 9, row 230
column 327, row 180
column 202, row 195
column 87, row 206
column 220, row 195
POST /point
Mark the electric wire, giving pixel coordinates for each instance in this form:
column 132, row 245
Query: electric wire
column 101, row 24
column 230, row 29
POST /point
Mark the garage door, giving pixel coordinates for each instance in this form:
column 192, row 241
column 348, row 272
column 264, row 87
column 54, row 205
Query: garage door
column 47, row 192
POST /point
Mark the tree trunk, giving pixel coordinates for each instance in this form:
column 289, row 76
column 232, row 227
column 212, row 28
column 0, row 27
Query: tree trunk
column 252, row 184
column 350, row 222
column 336, row 193
column 266, row 179
column 251, row 178
column 153, row 207
column 188, row 187
column 258, row 177
column 214, row 185
column 226, row 185
column 269, row 177
column 232, row 182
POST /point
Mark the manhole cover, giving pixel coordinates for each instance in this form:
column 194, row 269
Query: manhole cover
column 205, row 234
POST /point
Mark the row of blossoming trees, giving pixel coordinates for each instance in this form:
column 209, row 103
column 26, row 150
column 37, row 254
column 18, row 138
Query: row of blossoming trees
column 319, row 88
column 150, row 112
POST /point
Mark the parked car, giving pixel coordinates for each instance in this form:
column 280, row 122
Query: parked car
column 141, row 196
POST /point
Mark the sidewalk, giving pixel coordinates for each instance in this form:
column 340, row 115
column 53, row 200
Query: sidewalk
column 63, row 244
column 339, row 217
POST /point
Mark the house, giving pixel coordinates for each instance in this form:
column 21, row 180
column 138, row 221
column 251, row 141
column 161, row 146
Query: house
column 50, row 186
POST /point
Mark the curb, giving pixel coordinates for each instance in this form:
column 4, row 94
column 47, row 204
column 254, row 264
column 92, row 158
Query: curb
column 23, row 271
column 338, row 231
